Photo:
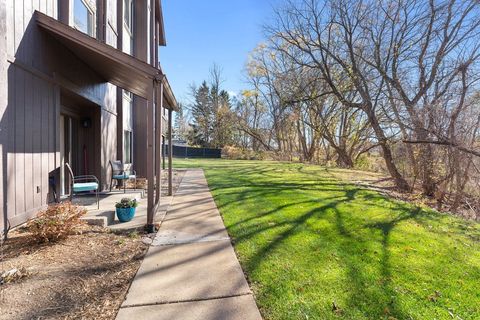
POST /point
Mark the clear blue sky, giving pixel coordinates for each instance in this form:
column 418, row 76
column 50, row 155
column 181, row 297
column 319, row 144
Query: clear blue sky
column 200, row 33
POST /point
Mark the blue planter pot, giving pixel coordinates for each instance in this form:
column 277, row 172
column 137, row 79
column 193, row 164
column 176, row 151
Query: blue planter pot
column 125, row 214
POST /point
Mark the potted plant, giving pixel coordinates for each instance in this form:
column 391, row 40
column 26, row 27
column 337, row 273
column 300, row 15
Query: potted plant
column 125, row 209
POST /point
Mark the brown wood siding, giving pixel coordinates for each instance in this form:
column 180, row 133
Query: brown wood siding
column 139, row 104
column 108, row 135
column 140, row 136
column 31, row 149
column 36, row 66
column 3, row 106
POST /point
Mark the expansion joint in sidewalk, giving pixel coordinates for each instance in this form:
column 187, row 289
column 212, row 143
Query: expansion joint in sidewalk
column 184, row 301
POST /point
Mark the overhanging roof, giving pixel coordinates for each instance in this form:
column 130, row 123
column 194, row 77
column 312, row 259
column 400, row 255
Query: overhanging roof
column 159, row 12
column 113, row 65
column 168, row 93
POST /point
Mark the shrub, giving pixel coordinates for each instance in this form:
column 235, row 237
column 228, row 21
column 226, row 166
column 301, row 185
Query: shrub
column 57, row 222
column 235, row 153
column 127, row 203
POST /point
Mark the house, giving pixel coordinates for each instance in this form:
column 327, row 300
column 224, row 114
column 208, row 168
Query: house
column 81, row 83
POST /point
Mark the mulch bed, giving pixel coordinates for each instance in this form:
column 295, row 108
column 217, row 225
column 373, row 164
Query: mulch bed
column 85, row 276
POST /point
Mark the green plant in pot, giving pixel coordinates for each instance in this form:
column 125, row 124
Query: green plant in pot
column 125, row 209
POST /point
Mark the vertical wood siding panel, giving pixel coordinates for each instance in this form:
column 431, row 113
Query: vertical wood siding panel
column 11, row 144
column 36, row 5
column 37, row 143
column 10, row 28
column 20, row 140
column 27, row 39
column 51, row 130
column 27, row 13
column 44, row 128
column 29, row 185
column 57, row 107
column 43, row 6
column 18, row 27
column 3, row 105
column 50, row 8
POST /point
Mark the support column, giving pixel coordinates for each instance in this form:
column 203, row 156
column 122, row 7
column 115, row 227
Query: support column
column 164, row 151
column 158, row 141
column 170, row 149
column 151, row 208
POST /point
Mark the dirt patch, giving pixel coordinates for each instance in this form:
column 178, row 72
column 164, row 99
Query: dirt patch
column 85, row 276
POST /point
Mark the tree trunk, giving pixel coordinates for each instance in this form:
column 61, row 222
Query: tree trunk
column 343, row 160
column 400, row 182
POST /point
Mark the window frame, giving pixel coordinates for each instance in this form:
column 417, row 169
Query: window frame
column 127, row 129
column 128, row 155
column 91, row 23
column 128, row 25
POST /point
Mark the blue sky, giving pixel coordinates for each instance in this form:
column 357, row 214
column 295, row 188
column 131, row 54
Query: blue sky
column 200, row 33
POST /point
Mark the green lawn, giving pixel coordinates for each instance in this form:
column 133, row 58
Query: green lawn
column 308, row 241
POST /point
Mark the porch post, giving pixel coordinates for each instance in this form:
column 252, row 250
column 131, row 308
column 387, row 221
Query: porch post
column 170, row 149
column 150, row 162
column 158, row 143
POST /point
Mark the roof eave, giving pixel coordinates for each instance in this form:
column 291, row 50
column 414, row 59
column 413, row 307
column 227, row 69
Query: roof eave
column 162, row 41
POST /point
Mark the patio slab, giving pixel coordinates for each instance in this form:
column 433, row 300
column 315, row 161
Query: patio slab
column 232, row 308
column 105, row 216
column 190, row 271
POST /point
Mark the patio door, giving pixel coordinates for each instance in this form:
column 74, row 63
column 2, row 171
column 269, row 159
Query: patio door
column 68, row 150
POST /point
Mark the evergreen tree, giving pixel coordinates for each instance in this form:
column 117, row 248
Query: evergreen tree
column 202, row 116
column 181, row 127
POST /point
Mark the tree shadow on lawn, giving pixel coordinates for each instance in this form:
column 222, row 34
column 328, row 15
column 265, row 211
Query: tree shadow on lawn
column 364, row 295
column 367, row 298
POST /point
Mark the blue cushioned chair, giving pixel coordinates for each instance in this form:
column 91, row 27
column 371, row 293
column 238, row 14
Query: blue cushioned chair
column 122, row 172
column 83, row 184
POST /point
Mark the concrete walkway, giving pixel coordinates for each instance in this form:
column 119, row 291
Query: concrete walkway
column 190, row 271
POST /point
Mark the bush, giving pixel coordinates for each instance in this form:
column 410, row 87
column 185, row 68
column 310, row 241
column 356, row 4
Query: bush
column 57, row 222
column 235, row 153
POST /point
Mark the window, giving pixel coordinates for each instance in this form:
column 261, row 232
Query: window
column 127, row 126
column 127, row 146
column 128, row 14
column 83, row 17
column 128, row 26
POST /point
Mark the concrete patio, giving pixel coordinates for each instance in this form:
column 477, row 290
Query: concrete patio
column 105, row 215
column 190, row 270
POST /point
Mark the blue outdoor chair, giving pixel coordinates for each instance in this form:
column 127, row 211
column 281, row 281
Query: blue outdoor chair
column 83, row 184
column 122, row 172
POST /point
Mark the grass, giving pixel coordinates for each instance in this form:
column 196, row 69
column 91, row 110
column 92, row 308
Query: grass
column 315, row 247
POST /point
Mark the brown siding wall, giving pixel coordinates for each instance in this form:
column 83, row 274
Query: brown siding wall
column 3, row 107
column 109, row 146
column 31, row 150
column 140, row 105
column 36, row 67
column 28, row 107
